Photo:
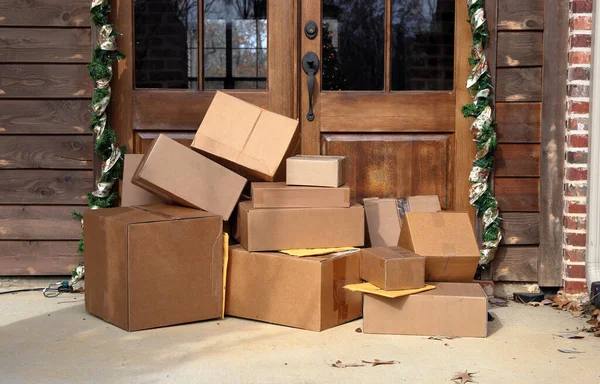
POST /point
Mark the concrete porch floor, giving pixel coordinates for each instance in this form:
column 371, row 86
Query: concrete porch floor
column 56, row 341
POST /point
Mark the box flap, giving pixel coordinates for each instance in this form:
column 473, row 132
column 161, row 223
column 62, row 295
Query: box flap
column 132, row 194
column 151, row 213
column 383, row 221
column 424, row 203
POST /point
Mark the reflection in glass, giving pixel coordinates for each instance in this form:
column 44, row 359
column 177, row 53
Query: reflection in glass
column 353, row 44
column 166, row 44
column 235, row 44
column 422, row 44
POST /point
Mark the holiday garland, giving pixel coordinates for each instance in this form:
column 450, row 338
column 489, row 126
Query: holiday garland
column 106, row 145
column 484, row 135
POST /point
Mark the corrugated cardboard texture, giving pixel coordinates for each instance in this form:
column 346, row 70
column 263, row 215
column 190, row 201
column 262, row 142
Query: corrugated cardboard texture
column 447, row 241
column 317, row 171
column 188, row 178
column 303, row 292
column 246, row 139
column 280, row 195
column 451, row 309
column 134, row 195
column 291, row 228
column 392, row 268
column 153, row 266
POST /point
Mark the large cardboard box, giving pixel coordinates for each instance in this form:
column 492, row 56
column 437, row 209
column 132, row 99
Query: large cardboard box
column 172, row 170
column 447, row 241
column 134, row 195
column 317, row 171
column 293, row 228
column 280, row 195
column 392, row 268
column 247, row 139
column 451, row 309
column 300, row 292
column 153, row 265
column 384, row 216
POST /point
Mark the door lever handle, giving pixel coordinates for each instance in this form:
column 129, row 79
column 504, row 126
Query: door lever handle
column 310, row 64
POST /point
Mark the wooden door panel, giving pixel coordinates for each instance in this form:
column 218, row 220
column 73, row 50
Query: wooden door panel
column 387, row 112
column 517, row 160
column 519, row 122
column 144, row 139
column 518, row 194
column 520, row 228
column 394, row 165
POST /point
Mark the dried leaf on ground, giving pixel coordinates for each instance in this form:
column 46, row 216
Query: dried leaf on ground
column 567, row 336
column 498, row 302
column 358, row 330
column 534, row 303
column 377, row 362
column 569, row 351
column 464, row 377
column 339, row 364
column 546, row 302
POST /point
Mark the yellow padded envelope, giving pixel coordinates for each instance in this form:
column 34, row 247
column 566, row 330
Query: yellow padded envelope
column 370, row 288
column 316, row 251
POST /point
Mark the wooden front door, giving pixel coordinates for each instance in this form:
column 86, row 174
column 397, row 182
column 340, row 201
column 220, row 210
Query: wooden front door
column 387, row 92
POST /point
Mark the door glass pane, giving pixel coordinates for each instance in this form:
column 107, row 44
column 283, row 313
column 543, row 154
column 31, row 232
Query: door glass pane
column 422, row 44
column 166, row 44
column 235, row 44
column 353, row 45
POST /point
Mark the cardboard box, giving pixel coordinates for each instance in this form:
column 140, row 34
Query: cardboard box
column 300, row 292
column 134, row 195
column 280, row 195
column 317, row 171
column 384, row 216
column 172, row 170
column 447, row 241
column 292, row 228
column 451, row 309
column 392, row 268
column 153, row 266
column 247, row 139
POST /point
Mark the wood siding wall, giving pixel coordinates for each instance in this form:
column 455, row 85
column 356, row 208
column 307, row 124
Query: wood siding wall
column 45, row 146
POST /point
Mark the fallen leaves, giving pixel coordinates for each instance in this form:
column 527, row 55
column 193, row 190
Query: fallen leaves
column 464, row 377
column 569, row 351
column 377, row 362
column 374, row 363
column 358, row 330
column 339, row 364
column 498, row 302
column 570, row 336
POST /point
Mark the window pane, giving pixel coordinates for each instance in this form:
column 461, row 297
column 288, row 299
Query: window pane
column 235, row 44
column 166, row 44
column 423, row 44
column 353, row 44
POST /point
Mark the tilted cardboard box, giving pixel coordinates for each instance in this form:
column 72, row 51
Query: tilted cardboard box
column 300, row 292
column 447, row 241
column 247, row 139
column 392, row 268
column 132, row 194
column 384, row 216
column 172, row 170
column 292, row 228
column 280, row 195
column 317, row 171
column 451, row 309
column 153, row 265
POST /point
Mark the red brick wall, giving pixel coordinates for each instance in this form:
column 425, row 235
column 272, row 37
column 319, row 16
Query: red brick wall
column 578, row 91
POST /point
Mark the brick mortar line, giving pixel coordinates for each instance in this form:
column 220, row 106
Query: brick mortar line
column 574, row 279
column 573, row 248
column 575, row 263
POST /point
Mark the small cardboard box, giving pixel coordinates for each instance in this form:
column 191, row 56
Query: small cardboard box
column 300, row 292
column 392, row 268
column 247, row 139
column 280, row 195
column 172, row 170
column 447, row 241
column 384, row 216
column 317, row 171
column 134, row 195
column 293, row 228
column 153, row 265
column 451, row 309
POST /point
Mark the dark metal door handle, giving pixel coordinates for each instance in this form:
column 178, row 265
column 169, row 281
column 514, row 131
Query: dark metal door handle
column 310, row 64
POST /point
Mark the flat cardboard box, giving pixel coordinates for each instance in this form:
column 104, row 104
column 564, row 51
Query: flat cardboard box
column 451, row 309
column 153, row 266
column 247, row 139
column 293, row 228
column 317, row 171
column 172, row 170
column 300, row 292
column 384, row 216
column 281, row 195
column 134, row 195
column 447, row 241
column 392, row 268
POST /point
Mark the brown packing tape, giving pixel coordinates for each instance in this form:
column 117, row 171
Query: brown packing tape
column 339, row 293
